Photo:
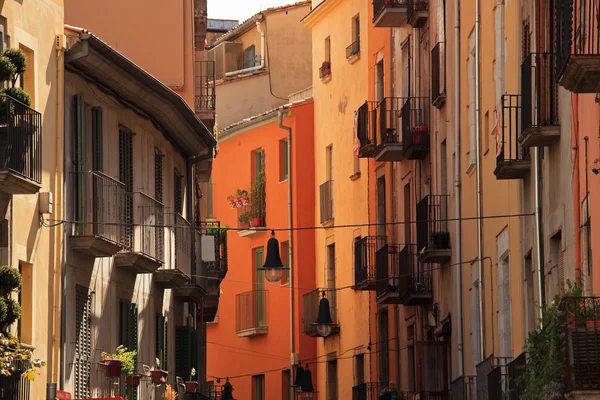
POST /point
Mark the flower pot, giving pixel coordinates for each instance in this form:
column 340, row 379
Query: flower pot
column 389, row 2
column 257, row 222
column 158, row 376
column 113, row 368
column 441, row 240
column 132, row 380
column 245, row 200
column 233, row 204
column 190, row 386
column 239, row 202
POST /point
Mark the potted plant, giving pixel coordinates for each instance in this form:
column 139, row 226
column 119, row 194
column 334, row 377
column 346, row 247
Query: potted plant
column 157, row 375
column 121, row 361
column 441, row 240
column 10, row 351
column 191, row 385
column 242, row 196
column 10, row 310
column 232, row 202
column 245, row 218
column 418, row 134
column 258, row 205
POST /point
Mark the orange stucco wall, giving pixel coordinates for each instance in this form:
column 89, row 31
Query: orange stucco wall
column 242, row 357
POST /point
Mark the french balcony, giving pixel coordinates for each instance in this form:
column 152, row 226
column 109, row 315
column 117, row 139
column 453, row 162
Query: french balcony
column 415, row 128
column 431, row 367
column 366, row 129
column 353, row 52
column 438, row 75
column 177, row 273
column 433, row 238
column 515, row 369
column 145, row 236
column 463, row 388
column 577, row 44
column 251, row 313
column 492, row 377
column 389, row 13
column 101, row 204
column 325, row 71
column 365, row 261
column 252, row 215
column 415, row 282
column 326, row 202
column 388, row 127
column 512, row 159
column 539, row 101
column 15, row 386
column 580, row 322
column 310, row 310
column 417, row 13
column 20, row 147
column 204, row 82
column 387, row 274
column 212, row 251
column 366, row 391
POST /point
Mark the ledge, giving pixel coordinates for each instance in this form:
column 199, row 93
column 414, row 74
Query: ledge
column 328, row 223
column 251, row 231
column 252, row 332
column 326, row 78
column 353, row 58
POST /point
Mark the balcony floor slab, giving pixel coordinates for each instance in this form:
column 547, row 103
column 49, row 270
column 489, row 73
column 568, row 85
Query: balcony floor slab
column 416, row 152
column 418, row 18
column 417, row 298
column 13, row 183
column 435, row 256
column 515, row 169
column 251, row 232
column 390, row 152
column 170, row 278
column 540, row 136
column 94, row 245
column 138, row 263
column 253, row 332
column 392, row 16
column 190, row 291
column 582, row 74
column 389, row 298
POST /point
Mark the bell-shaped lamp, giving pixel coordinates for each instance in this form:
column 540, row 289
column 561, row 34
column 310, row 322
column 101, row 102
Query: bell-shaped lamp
column 299, row 376
column 324, row 323
column 273, row 266
column 306, row 390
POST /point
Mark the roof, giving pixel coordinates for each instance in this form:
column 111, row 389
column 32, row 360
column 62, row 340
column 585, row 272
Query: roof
column 221, row 25
column 94, row 60
column 245, row 25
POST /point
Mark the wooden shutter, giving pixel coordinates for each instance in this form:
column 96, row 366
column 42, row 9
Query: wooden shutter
column 177, row 193
column 160, row 339
column 158, row 177
column 196, row 352
column 97, row 139
column 126, row 176
column 80, row 146
column 83, row 343
column 183, row 358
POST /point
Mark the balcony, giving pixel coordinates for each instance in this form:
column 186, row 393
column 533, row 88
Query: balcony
column 210, row 304
column 389, row 13
column 414, row 283
column 433, row 238
column 577, row 44
column 365, row 261
column 178, row 272
column 512, row 160
column 495, row 384
column 387, row 127
column 387, row 274
column 515, row 369
column 463, row 388
column 417, row 13
column 213, row 241
column 353, row 52
column 326, row 196
column 325, row 71
column 431, row 365
column 580, row 322
column 204, row 87
column 366, row 128
column 100, row 202
column 252, row 213
column 145, row 252
column 539, row 101
column 251, row 313
column 415, row 128
column 438, row 75
column 366, row 391
column 310, row 310
column 20, row 147
column 15, row 386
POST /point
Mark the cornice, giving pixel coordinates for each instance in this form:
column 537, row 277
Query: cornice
column 319, row 12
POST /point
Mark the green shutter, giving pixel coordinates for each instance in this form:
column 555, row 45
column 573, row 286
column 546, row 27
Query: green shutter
column 166, row 363
column 126, row 176
column 183, row 364
column 285, row 159
column 124, row 322
column 160, row 339
column 196, row 351
column 97, row 138
column 80, row 167
column 83, row 342
column 177, row 193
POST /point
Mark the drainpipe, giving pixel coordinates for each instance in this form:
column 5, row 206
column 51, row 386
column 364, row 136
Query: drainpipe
column 259, row 18
column 457, row 188
column 539, row 232
column 290, row 240
column 478, row 163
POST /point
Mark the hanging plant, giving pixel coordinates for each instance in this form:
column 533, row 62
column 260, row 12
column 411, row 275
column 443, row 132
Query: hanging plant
column 232, row 202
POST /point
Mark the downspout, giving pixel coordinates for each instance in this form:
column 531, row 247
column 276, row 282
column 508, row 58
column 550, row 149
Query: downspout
column 259, row 18
column 290, row 239
column 478, row 162
column 576, row 189
column 457, row 189
column 539, row 232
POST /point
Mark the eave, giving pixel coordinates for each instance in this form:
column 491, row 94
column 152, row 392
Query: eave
column 320, row 12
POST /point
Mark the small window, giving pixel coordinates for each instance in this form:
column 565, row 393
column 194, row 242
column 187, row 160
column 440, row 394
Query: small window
column 283, row 160
column 177, row 193
column 258, row 381
column 249, row 57
column 286, row 382
column 332, row 378
column 359, row 369
column 356, row 30
column 327, row 49
column 285, row 257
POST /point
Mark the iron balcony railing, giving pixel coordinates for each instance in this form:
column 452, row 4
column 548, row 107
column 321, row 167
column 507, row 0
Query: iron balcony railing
column 379, row 6
column 509, row 131
column 577, row 30
column 182, row 239
column 580, row 342
column 415, row 6
column 432, row 222
column 204, row 85
column 415, row 122
column 463, row 388
column 250, row 310
column 353, row 49
column 412, row 279
column 325, row 69
column 217, row 268
column 20, row 139
column 497, row 378
column 100, row 206
column 388, row 271
column 539, row 92
column 389, row 114
column 515, row 369
column 15, row 387
column 366, row 391
column 365, row 250
column 326, row 196
column 366, row 128
column 310, row 308
column 438, row 74
column 432, row 369
column 149, row 233
column 254, row 213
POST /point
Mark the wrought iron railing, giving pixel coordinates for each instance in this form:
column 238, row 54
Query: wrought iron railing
column 389, row 114
column 250, row 310
column 254, row 213
column 412, row 279
column 509, row 131
column 218, row 267
column 325, row 70
column 497, row 379
column 366, row 391
column 365, row 250
column 387, row 268
column 326, row 196
column 204, row 85
column 310, row 308
column 438, row 73
column 515, row 369
column 415, row 122
column 580, row 340
column 100, row 206
column 577, row 30
column 380, row 5
column 432, row 222
column 20, row 139
column 366, row 129
column 539, row 92
column 182, row 240
column 353, row 49
column 15, row 386
column 149, row 230
column 463, row 388
column 416, row 5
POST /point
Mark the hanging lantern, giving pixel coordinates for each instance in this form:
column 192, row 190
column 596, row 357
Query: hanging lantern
column 273, row 266
column 306, row 390
column 324, row 323
column 299, row 376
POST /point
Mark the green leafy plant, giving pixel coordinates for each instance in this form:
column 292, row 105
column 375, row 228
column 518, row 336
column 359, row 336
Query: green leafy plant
column 246, row 217
column 10, row 309
column 19, row 60
column 7, row 69
column 11, row 350
column 18, row 94
column 10, row 280
column 217, row 230
column 127, row 358
column 259, row 205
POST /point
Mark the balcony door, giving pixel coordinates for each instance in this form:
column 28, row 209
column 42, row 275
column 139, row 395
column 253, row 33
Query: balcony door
column 260, row 301
column 381, row 212
column 126, row 177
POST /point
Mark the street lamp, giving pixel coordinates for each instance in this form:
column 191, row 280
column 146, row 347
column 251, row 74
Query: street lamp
column 324, row 323
column 306, row 390
column 273, row 266
column 299, row 376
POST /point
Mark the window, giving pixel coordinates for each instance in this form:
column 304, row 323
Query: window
column 283, row 160
column 25, row 298
column 259, row 285
column 286, row 382
column 128, row 325
column 158, row 176
column 359, row 369
column 444, row 168
column 177, row 193
column 383, row 347
column 406, row 69
column 407, row 217
column 249, row 57
column 330, row 277
column 472, row 116
column 97, row 139
column 83, row 342
column 328, row 49
column 126, row 176
column 332, row 378
column 258, row 383
column 161, row 341
column 356, row 30
column 379, row 82
column 285, row 255
column 529, row 298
